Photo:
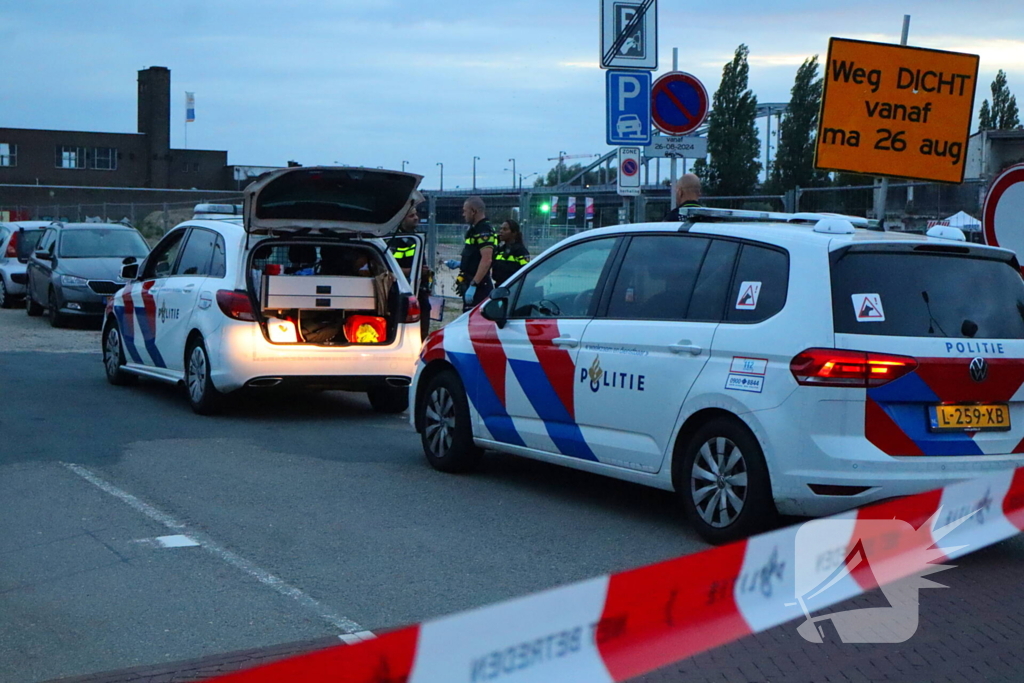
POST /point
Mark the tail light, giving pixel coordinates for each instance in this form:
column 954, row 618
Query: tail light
column 12, row 246
column 235, row 304
column 412, row 310
column 838, row 368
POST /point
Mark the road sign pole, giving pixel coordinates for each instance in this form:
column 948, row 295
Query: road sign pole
column 882, row 196
column 672, row 175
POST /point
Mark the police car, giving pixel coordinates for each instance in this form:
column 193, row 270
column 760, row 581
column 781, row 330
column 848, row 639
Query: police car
column 754, row 363
column 296, row 287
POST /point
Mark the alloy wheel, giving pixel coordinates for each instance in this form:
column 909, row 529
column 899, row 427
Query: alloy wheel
column 439, row 421
column 197, row 371
column 718, row 482
column 3, row 294
column 112, row 352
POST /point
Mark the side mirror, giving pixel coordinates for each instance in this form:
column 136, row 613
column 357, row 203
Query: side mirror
column 42, row 255
column 496, row 310
column 129, row 271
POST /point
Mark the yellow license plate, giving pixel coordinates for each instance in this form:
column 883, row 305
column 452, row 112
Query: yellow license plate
column 971, row 418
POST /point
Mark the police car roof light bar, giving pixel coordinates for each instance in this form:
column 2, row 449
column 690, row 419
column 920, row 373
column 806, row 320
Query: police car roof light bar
column 220, row 209
column 695, row 213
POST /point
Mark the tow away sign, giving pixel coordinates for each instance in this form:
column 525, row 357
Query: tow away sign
column 891, row 110
column 628, row 177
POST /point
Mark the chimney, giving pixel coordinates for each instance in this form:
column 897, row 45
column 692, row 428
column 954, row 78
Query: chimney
column 155, row 123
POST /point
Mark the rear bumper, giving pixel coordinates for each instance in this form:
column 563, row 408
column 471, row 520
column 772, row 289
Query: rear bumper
column 19, row 279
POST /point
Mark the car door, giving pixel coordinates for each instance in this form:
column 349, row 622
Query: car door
column 652, row 337
column 39, row 269
column 529, row 366
column 175, row 298
column 139, row 317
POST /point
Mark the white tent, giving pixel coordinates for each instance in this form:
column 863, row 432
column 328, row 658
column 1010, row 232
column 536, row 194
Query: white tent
column 964, row 221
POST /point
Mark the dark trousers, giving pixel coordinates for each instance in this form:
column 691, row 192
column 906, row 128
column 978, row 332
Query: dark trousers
column 483, row 290
column 424, row 298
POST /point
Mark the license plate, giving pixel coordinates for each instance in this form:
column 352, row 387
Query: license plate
column 991, row 417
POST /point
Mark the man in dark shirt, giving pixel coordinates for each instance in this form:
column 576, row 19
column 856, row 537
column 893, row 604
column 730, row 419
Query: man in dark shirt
column 404, row 251
column 474, row 281
column 687, row 193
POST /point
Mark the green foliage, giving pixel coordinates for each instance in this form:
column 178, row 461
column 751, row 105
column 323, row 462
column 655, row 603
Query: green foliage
column 1002, row 114
column 794, row 160
column 595, row 177
column 733, row 144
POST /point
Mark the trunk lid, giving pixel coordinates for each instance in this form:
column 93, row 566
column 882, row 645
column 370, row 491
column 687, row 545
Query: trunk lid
column 329, row 200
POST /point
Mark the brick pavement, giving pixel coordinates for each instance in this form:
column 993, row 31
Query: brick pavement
column 971, row 631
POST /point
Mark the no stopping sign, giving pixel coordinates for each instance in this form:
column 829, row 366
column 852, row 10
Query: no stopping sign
column 1003, row 217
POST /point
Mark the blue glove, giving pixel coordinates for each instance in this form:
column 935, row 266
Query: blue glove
column 453, row 264
column 470, row 294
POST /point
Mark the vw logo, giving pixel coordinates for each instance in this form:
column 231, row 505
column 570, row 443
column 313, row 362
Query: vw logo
column 979, row 369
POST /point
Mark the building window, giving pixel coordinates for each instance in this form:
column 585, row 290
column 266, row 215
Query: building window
column 104, row 158
column 8, row 154
column 70, row 157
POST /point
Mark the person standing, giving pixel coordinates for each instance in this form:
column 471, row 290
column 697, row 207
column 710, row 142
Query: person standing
column 512, row 254
column 474, row 281
column 687, row 193
column 404, row 249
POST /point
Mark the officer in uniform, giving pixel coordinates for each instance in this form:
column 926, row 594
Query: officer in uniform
column 512, row 254
column 404, row 251
column 687, row 192
column 474, row 281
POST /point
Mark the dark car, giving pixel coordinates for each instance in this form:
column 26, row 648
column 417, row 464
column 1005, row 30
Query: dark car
column 76, row 268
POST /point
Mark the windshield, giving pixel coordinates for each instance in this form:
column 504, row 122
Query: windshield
column 925, row 294
column 102, row 243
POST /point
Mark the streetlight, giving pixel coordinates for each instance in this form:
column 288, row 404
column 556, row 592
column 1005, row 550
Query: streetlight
column 514, row 174
column 522, row 178
column 403, row 166
column 475, row 159
column 442, row 175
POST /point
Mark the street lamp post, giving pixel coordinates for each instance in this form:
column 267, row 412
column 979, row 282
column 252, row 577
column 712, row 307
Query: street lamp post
column 442, row 175
column 514, row 175
column 403, row 166
column 475, row 159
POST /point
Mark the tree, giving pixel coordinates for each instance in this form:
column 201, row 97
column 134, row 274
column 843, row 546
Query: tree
column 733, row 144
column 1003, row 113
column 794, row 160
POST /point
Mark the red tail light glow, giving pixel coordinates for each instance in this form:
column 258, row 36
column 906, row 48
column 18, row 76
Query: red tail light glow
column 412, row 311
column 12, row 246
column 839, row 368
column 235, row 304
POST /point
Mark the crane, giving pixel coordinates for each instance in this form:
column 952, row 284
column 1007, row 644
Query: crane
column 562, row 156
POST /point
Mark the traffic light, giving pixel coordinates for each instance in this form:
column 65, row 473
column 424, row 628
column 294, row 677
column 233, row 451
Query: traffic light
column 545, row 208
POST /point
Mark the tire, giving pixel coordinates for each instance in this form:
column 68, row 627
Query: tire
column 447, row 434
column 33, row 309
column 57, row 319
column 202, row 395
column 723, row 465
column 5, row 296
column 113, row 358
column 389, row 399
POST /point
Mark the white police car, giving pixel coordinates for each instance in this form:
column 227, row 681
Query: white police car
column 295, row 288
column 753, row 363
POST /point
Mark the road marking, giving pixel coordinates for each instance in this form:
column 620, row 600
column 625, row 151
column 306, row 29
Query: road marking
column 345, row 625
column 177, row 541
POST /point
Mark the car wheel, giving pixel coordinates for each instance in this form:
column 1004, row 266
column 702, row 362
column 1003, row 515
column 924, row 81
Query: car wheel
column 724, row 483
column 56, row 318
column 388, row 399
column 31, row 307
column 447, row 434
column 113, row 358
column 202, row 395
column 5, row 297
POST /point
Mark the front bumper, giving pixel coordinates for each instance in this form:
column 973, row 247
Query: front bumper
column 81, row 301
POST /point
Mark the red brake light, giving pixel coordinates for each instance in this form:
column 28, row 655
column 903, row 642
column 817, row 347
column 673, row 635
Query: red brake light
column 412, row 310
column 12, row 246
column 839, row 368
column 236, row 305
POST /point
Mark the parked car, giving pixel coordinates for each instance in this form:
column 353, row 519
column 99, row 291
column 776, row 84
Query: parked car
column 17, row 240
column 296, row 288
column 753, row 363
column 76, row 268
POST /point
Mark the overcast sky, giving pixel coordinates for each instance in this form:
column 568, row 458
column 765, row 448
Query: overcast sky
column 378, row 82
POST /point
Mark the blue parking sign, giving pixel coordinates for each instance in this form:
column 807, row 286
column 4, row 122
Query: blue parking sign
column 629, row 107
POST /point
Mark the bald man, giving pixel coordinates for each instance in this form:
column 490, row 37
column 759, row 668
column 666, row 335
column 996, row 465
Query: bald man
column 687, row 192
column 474, row 280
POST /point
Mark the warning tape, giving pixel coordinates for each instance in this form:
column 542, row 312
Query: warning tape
column 619, row 626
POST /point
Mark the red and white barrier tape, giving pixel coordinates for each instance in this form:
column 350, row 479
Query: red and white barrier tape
column 616, row 627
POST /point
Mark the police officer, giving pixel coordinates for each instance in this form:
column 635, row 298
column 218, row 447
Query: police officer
column 687, row 192
column 404, row 250
column 512, row 254
column 474, row 281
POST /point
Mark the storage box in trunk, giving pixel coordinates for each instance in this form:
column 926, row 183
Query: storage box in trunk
column 330, row 292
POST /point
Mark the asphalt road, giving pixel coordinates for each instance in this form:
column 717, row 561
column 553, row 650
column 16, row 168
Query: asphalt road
column 315, row 516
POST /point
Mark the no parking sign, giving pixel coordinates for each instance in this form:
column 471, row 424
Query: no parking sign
column 679, row 103
column 1003, row 217
column 629, row 171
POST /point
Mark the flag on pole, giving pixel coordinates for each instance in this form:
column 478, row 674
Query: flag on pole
column 589, row 210
column 554, row 206
column 190, row 107
column 571, row 209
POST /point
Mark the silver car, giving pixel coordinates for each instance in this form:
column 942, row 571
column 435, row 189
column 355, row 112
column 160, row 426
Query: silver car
column 17, row 241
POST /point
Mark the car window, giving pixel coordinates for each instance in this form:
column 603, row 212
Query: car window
column 922, row 294
column 712, row 288
column 562, row 285
column 162, row 259
column 759, row 286
column 197, row 255
column 46, row 242
column 219, row 265
column 657, row 277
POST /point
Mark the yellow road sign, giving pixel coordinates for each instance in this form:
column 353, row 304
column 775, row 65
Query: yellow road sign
column 891, row 110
